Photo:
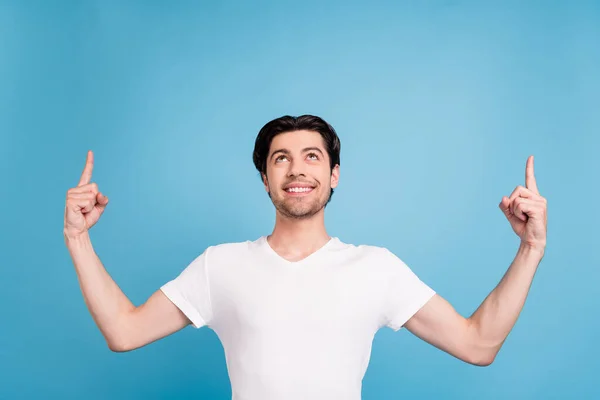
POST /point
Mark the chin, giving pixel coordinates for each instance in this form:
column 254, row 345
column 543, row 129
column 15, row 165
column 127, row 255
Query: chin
column 299, row 211
column 299, row 207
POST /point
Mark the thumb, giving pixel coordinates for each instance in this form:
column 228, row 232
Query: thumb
column 101, row 200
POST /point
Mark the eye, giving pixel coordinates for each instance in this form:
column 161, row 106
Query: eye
column 280, row 157
column 313, row 155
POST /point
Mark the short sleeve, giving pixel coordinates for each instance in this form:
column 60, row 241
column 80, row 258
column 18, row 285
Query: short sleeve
column 405, row 292
column 190, row 291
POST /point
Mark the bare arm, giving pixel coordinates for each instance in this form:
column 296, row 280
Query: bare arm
column 124, row 326
column 478, row 339
column 496, row 316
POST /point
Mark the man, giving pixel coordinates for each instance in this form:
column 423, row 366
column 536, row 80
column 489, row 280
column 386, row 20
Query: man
column 297, row 310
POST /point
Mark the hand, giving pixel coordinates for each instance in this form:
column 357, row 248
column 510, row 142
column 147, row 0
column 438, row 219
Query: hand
column 85, row 204
column 526, row 211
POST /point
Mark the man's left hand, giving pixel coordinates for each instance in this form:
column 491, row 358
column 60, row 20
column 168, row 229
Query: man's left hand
column 526, row 210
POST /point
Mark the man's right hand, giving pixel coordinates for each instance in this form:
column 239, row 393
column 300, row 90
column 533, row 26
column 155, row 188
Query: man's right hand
column 85, row 204
column 124, row 326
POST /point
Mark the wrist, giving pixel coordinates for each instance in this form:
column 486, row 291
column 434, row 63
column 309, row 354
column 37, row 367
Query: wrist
column 532, row 249
column 77, row 241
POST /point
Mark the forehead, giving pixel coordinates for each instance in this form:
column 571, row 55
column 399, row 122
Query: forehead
column 297, row 140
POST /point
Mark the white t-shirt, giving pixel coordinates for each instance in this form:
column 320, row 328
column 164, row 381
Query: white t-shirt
column 297, row 330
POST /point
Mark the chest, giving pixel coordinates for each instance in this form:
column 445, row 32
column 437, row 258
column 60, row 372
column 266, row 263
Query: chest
column 335, row 297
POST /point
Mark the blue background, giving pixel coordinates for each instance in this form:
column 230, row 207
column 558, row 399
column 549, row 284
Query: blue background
column 437, row 104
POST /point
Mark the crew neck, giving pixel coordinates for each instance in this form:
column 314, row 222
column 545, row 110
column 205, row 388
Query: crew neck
column 265, row 244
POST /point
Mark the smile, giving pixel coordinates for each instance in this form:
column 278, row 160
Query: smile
column 299, row 190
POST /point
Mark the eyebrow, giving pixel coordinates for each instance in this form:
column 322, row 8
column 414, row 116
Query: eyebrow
column 304, row 150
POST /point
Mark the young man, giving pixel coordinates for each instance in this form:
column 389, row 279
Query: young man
column 296, row 311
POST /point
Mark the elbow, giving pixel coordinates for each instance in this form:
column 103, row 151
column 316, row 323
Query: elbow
column 483, row 362
column 482, row 351
column 118, row 337
column 119, row 343
column 483, row 358
column 117, row 347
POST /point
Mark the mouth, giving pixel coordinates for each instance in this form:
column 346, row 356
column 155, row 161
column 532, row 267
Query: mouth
column 296, row 191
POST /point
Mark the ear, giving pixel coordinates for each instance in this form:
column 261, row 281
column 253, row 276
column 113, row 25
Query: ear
column 335, row 176
column 265, row 181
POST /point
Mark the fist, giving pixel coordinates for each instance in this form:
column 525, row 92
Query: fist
column 85, row 204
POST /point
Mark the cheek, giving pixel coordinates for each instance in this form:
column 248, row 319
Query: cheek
column 275, row 178
column 325, row 177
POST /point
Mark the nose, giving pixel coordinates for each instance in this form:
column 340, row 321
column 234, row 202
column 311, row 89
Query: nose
column 296, row 168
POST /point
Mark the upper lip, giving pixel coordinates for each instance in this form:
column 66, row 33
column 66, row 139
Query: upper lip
column 298, row 184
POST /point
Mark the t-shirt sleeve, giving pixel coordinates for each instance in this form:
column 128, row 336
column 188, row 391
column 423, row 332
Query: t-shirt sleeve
column 405, row 292
column 190, row 291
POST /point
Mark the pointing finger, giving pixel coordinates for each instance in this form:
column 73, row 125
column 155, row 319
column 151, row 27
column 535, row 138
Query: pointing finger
column 86, row 175
column 530, row 182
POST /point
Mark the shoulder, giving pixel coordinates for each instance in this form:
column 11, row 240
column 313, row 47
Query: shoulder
column 230, row 250
column 370, row 249
column 374, row 254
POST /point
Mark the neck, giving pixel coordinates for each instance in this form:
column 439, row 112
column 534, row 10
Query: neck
column 297, row 235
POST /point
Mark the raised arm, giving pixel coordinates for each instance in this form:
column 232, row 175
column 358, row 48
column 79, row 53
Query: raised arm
column 478, row 339
column 123, row 325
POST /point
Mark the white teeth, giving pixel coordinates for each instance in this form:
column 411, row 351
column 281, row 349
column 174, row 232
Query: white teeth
column 299, row 189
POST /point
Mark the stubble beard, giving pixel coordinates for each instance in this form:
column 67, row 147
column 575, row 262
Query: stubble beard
column 298, row 207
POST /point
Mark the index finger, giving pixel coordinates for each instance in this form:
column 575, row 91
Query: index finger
column 530, row 182
column 86, row 175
